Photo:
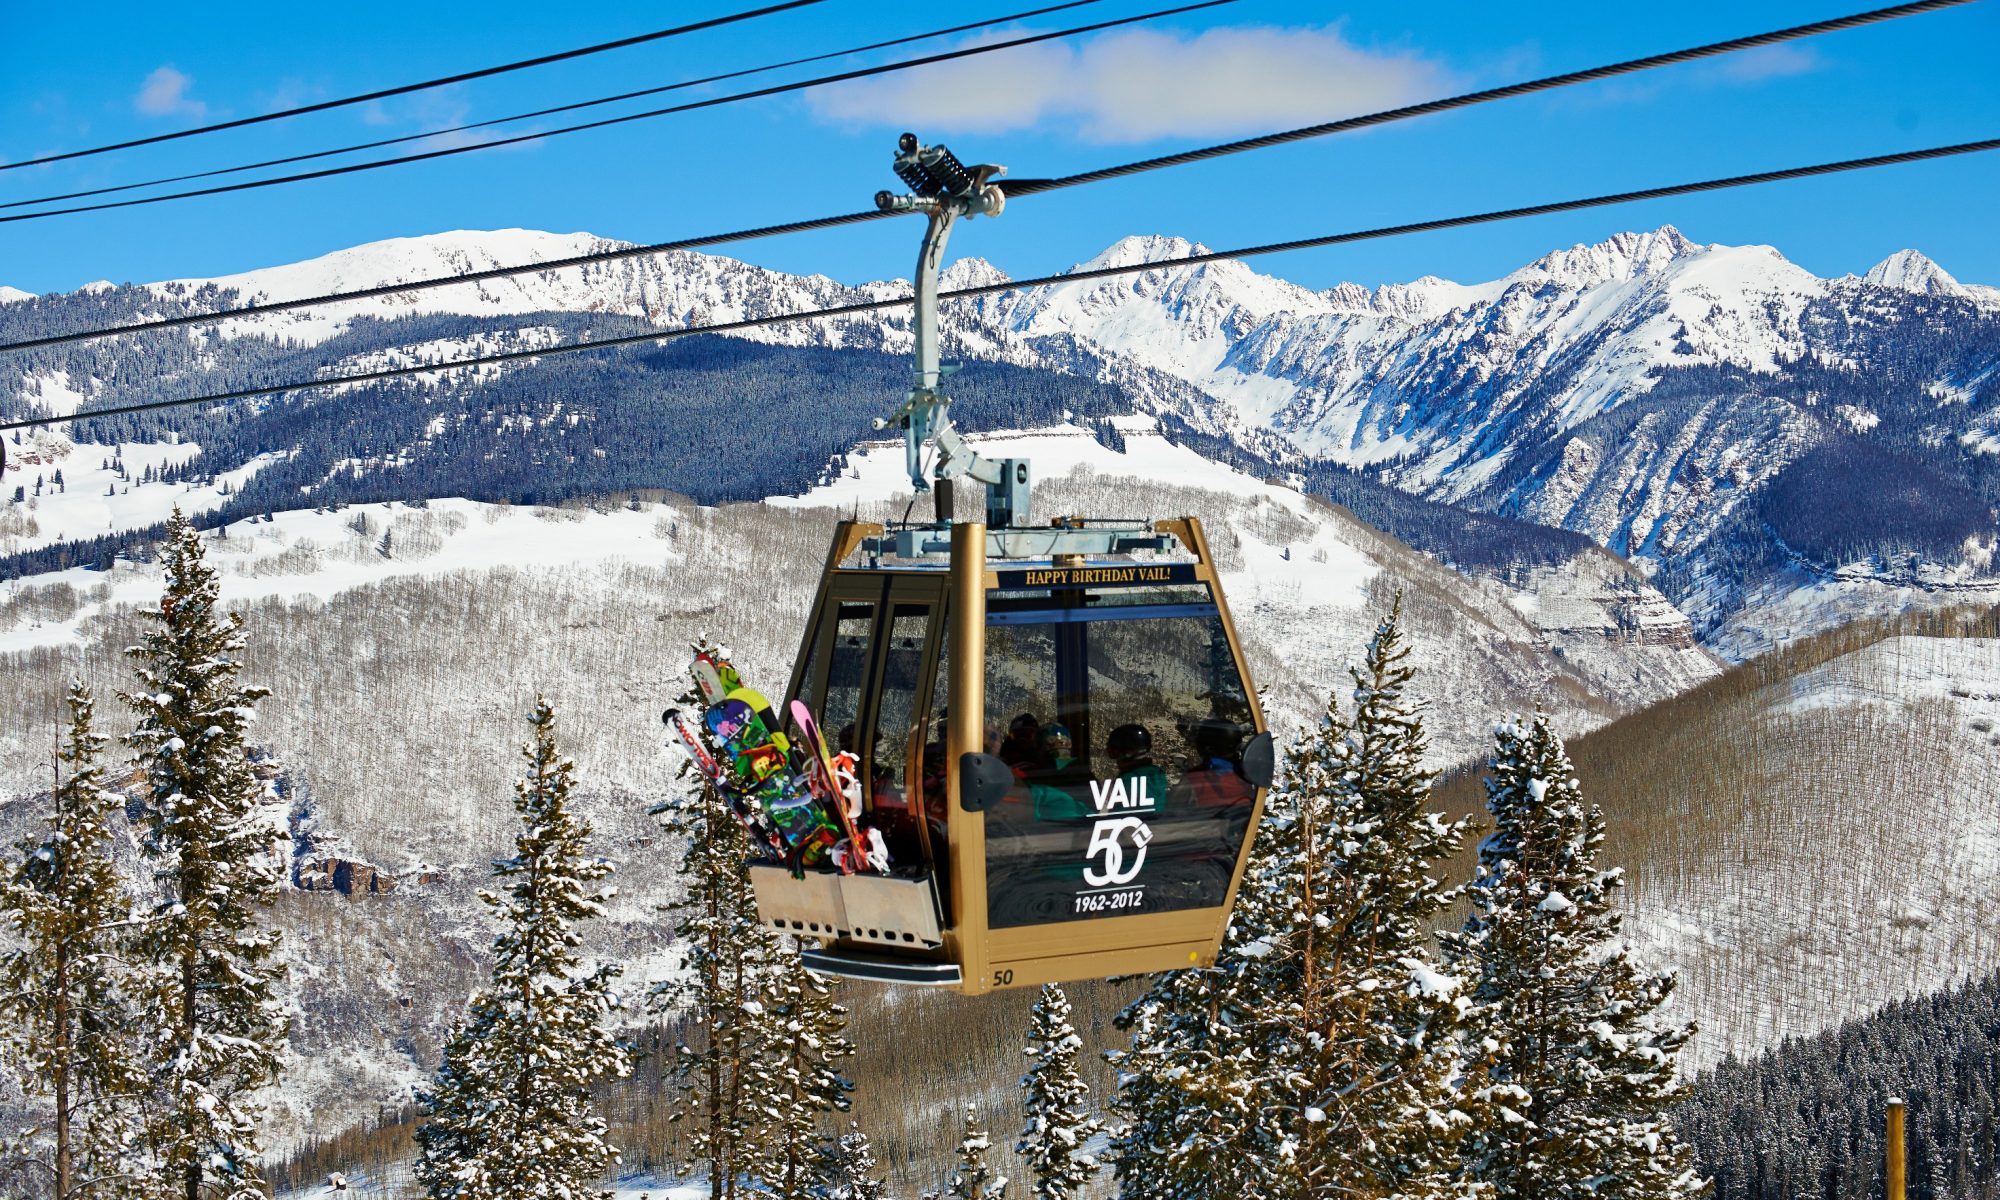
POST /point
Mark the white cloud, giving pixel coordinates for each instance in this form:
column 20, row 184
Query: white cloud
column 1769, row 62
column 1139, row 85
column 164, row 94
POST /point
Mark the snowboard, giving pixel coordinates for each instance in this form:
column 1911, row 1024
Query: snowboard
column 834, row 779
column 751, row 744
column 764, row 765
column 714, row 677
column 763, row 833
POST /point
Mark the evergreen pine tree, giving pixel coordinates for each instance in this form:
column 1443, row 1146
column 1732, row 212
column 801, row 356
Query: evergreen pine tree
column 727, row 969
column 1579, row 1085
column 1053, row 1097
column 808, row 1037
column 1318, row 1053
column 847, row 1168
column 62, row 986
column 1185, row 1084
column 1358, row 1039
column 510, row 1112
column 218, row 858
column 972, row 1178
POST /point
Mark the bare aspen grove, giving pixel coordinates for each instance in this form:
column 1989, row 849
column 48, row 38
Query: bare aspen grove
column 1809, row 836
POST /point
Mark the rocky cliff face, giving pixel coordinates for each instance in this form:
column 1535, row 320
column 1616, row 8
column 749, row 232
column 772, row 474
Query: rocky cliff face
column 345, row 876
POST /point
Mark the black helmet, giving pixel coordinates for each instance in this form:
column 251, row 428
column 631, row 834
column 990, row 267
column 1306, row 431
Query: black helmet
column 1216, row 737
column 1129, row 741
column 1026, row 725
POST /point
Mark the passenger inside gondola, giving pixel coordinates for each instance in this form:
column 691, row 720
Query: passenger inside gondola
column 1214, row 778
column 1023, row 748
column 1059, row 780
column 1131, row 747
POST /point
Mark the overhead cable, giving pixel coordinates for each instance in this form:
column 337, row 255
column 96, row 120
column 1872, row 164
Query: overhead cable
column 1165, row 264
column 608, row 122
column 405, row 89
column 1020, row 187
column 1029, row 187
column 544, row 112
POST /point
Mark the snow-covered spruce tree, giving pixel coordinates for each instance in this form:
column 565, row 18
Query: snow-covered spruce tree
column 727, row 971
column 63, row 990
column 972, row 1178
column 1318, row 1056
column 1359, row 1037
column 510, row 1112
column 1187, row 1085
column 1053, row 1097
column 847, row 1168
column 217, row 855
column 1581, row 1075
column 809, row 1036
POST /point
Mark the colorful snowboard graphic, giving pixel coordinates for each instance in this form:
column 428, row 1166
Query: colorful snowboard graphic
column 751, row 747
column 842, row 795
column 763, row 834
column 799, row 800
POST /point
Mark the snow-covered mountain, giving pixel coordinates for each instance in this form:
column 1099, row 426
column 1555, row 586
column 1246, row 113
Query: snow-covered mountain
column 1814, row 835
column 1673, row 401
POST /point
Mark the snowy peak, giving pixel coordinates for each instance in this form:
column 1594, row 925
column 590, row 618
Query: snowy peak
column 1131, row 251
column 1620, row 257
column 398, row 259
column 1228, row 291
column 972, row 272
column 1910, row 271
column 1427, row 297
column 9, row 294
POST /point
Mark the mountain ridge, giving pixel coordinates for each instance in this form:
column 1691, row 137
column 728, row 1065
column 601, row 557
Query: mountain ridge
column 1647, row 391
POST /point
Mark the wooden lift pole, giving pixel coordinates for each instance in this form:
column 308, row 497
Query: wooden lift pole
column 1893, row 1189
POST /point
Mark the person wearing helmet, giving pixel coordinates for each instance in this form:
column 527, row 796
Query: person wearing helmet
column 1060, row 781
column 1213, row 780
column 1022, row 749
column 1131, row 747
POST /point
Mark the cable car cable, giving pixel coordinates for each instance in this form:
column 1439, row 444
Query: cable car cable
column 866, row 306
column 1024, row 187
column 607, row 122
column 405, row 89
column 1029, row 187
column 543, row 112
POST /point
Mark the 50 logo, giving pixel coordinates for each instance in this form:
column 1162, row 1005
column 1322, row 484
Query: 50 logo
column 1108, row 840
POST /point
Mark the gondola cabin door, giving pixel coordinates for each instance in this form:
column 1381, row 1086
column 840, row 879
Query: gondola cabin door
column 1066, row 761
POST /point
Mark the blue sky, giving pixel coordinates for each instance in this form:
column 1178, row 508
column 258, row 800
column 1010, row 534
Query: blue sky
column 74, row 75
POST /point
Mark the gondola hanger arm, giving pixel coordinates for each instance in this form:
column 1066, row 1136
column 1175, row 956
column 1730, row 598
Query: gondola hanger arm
column 945, row 189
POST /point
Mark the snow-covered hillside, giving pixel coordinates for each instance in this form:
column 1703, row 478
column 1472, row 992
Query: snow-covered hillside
column 403, row 644
column 1811, row 838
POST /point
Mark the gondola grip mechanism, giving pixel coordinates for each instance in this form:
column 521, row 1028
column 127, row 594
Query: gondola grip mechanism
column 944, row 189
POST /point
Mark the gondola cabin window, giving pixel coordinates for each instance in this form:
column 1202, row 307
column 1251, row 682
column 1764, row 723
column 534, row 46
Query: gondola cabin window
column 1123, row 716
column 843, row 648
